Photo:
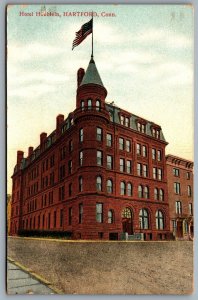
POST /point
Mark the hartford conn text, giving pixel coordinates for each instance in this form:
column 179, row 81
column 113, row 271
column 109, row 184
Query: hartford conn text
column 66, row 14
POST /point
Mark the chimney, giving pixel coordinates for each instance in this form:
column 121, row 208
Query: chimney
column 30, row 151
column 43, row 136
column 59, row 121
column 19, row 156
column 80, row 75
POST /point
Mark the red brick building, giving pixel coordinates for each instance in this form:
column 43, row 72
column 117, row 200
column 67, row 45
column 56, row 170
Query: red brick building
column 180, row 194
column 100, row 173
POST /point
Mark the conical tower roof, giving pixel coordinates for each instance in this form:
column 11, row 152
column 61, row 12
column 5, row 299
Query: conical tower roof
column 92, row 75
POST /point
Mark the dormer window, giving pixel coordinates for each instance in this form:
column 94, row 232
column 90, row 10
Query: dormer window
column 125, row 120
column 155, row 132
column 141, row 127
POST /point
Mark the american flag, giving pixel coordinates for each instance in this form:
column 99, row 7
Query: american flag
column 85, row 30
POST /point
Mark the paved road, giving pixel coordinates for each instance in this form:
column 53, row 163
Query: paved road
column 21, row 282
column 84, row 267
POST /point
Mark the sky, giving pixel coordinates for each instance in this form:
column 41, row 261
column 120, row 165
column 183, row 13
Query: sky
column 144, row 55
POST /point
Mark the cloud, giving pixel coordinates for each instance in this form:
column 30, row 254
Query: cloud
column 23, row 52
column 163, row 38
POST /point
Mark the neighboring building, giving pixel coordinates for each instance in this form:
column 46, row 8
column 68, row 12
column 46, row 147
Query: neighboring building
column 9, row 200
column 180, row 194
column 100, row 173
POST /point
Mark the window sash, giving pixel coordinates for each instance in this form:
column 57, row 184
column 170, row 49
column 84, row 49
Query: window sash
column 121, row 143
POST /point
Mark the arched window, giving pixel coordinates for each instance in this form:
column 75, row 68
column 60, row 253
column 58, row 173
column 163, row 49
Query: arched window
column 99, row 183
column 161, row 195
column 98, row 105
column 89, row 102
column 109, row 186
column 159, row 220
column 140, row 191
column 146, row 192
column 82, row 105
column 129, row 189
column 143, row 219
column 156, row 194
column 80, row 158
column 80, row 184
column 122, row 188
column 110, row 216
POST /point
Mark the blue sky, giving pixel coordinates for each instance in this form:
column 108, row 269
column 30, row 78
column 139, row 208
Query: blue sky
column 144, row 56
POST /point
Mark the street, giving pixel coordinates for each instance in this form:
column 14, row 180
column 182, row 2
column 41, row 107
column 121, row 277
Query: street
column 88, row 267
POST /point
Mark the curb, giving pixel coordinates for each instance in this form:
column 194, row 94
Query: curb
column 35, row 275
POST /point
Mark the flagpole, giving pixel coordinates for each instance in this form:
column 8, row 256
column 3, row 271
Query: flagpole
column 92, row 37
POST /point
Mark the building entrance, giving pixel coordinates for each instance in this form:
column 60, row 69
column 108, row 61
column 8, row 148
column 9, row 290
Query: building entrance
column 127, row 225
column 179, row 229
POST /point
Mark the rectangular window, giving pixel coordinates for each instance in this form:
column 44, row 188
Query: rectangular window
column 178, row 207
column 70, row 215
column 128, row 166
column 70, row 146
column 177, row 187
column 174, row 223
column 128, row 146
column 63, row 153
column 188, row 175
column 176, row 172
column 145, row 170
column 190, row 209
column 189, row 191
column 70, row 166
column 109, row 139
column 121, row 165
column 70, row 189
column 61, row 217
column 61, row 193
column 144, row 151
column 99, row 212
column 80, row 213
column 39, row 221
column 154, row 173
column 99, row 158
column 51, row 162
column 127, row 122
column 99, row 134
column 121, row 143
column 51, row 179
column 109, row 162
column 61, row 172
column 154, row 154
column 49, row 217
column 143, row 128
column 138, row 149
column 139, row 169
column 81, row 135
column 54, row 219
column 139, row 127
column 159, row 171
column 159, row 155
column 122, row 120
column 80, row 184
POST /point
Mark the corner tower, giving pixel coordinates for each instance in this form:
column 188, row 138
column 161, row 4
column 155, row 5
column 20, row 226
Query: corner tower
column 91, row 92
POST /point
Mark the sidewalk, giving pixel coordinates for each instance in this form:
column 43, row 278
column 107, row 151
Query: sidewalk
column 22, row 282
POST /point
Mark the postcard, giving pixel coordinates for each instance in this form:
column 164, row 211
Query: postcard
column 100, row 149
